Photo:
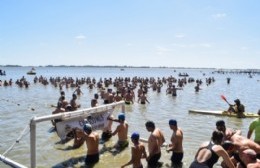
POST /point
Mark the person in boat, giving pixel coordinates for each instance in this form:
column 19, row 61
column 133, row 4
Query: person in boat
column 121, row 131
column 209, row 153
column 237, row 108
column 255, row 127
column 155, row 141
column 137, row 151
column 176, row 144
column 227, row 132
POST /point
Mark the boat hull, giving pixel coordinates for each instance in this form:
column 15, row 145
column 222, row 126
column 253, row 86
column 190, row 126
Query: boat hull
column 223, row 113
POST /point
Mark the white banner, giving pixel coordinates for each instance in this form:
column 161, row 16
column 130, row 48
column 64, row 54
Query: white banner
column 98, row 121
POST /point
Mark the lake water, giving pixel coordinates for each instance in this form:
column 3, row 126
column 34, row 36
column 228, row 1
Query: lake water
column 197, row 128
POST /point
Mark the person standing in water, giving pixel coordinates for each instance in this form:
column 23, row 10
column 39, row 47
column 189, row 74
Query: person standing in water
column 176, row 144
column 155, row 141
column 138, row 152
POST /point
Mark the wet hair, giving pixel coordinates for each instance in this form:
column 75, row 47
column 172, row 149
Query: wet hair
column 150, row 124
column 220, row 123
column 227, row 145
column 62, row 93
column 173, row 122
column 96, row 95
column 217, row 137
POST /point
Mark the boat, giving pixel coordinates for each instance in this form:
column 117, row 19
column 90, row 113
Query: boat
column 183, row 75
column 31, row 72
column 223, row 113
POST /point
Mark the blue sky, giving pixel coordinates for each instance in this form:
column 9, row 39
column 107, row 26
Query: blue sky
column 174, row 33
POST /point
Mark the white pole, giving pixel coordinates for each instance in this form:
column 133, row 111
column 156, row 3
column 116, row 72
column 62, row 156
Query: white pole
column 11, row 162
column 33, row 142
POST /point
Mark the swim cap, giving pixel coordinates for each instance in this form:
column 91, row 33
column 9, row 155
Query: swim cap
column 87, row 127
column 121, row 116
column 220, row 123
column 172, row 122
column 135, row 136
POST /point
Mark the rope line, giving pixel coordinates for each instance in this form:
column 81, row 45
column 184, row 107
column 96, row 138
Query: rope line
column 23, row 133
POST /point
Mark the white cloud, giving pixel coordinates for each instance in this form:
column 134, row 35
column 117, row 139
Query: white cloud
column 219, row 15
column 129, row 44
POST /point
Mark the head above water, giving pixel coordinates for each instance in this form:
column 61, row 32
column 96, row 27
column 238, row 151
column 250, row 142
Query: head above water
column 150, row 124
column 217, row 137
column 173, row 122
column 220, row 123
column 135, row 136
column 87, row 128
column 237, row 101
column 121, row 117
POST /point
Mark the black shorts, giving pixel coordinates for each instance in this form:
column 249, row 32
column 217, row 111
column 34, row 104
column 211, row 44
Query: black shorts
column 153, row 161
column 92, row 159
column 176, row 157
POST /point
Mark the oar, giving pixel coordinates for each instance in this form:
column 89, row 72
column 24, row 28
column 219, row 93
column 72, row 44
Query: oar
column 224, row 98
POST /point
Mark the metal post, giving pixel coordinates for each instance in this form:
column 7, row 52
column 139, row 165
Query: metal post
column 33, row 142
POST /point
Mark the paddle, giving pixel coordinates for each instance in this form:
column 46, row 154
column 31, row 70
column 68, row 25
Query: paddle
column 224, row 98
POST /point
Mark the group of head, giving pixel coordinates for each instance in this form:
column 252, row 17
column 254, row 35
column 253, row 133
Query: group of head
column 150, row 126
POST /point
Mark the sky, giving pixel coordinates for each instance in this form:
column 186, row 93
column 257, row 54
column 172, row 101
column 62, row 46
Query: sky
column 156, row 33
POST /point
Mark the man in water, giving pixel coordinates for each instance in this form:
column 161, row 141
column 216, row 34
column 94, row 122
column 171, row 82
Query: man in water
column 121, row 131
column 138, row 152
column 176, row 144
column 92, row 142
column 155, row 141
column 228, row 132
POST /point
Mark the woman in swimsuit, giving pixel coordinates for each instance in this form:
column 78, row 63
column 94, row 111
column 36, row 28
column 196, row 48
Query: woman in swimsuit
column 209, row 153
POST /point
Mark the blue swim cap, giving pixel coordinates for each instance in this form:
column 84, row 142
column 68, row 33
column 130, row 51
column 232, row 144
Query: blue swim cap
column 135, row 136
column 87, row 127
column 172, row 122
column 121, row 116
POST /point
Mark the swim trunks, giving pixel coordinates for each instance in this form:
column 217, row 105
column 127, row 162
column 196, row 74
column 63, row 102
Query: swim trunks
column 122, row 144
column 142, row 102
column 92, row 159
column 176, row 157
column 153, row 161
